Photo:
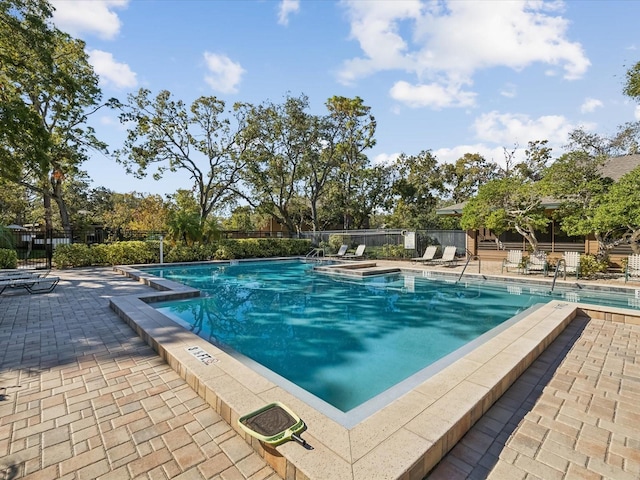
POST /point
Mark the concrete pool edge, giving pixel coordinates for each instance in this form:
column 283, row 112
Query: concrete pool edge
column 403, row 440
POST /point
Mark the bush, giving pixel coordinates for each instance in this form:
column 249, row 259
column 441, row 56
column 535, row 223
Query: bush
column 335, row 242
column 190, row 253
column 8, row 258
column 133, row 252
column 73, row 255
column 590, row 265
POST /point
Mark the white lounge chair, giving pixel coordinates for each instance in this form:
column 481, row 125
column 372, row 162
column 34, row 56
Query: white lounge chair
column 359, row 253
column 429, row 254
column 341, row 251
column 633, row 267
column 572, row 262
column 448, row 257
column 31, row 285
column 537, row 263
column 513, row 260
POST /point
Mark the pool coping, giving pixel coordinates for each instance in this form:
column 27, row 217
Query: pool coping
column 404, row 439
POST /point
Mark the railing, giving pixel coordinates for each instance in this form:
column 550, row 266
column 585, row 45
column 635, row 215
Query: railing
column 315, row 253
column 555, row 275
column 466, row 264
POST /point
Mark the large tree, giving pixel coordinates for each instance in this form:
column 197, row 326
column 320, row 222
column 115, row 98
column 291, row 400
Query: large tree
column 467, row 174
column 200, row 140
column 507, row 204
column 417, row 186
column 353, row 128
column 282, row 142
column 48, row 90
column 632, row 83
column 619, row 211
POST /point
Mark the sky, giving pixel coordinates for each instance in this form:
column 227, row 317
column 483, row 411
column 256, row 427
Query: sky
column 452, row 77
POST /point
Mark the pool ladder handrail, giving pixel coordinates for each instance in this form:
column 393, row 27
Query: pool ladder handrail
column 555, row 275
column 469, row 258
column 315, row 253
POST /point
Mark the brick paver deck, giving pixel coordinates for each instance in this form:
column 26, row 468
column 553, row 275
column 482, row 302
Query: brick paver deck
column 574, row 414
column 82, row 397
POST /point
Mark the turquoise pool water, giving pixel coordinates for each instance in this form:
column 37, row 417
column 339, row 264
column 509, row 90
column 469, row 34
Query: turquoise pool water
column 344, row 340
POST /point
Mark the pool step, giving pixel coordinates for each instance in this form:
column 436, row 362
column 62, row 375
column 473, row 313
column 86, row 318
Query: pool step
column 358, row 269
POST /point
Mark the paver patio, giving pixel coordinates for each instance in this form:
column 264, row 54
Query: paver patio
column 81, row 396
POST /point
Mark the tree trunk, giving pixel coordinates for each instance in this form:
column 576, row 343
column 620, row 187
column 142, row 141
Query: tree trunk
column 62, row 206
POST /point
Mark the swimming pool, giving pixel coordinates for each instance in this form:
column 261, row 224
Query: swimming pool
column 344, row 340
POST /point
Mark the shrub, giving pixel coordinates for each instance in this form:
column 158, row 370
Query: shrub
column 133, row 252
column 8, row 258
column 190, row 253
column 72, row 255
column 335, row 241
column 590, row 265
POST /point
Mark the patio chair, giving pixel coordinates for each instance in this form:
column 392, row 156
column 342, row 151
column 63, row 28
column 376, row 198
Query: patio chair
column 341, row 251
column 513, row 260
column 537, row 262
column 31, row 285
column 359, row 253
column 572, row 262
column 633, row 267
column 448, row 257
column 429, row 254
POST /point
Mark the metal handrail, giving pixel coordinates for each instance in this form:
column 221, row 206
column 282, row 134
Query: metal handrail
column 315, row 252
column 466, row 264
column 562, row 262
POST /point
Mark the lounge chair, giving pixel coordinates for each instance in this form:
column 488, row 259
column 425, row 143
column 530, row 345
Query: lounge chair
column 341, row 251
column 633, row 267
column 572, row 263
column 31, row 285
column 537, row 263
column 359, row 254
column 15, row 274
column 448, row 257
column 429, row 254
column 513, row 260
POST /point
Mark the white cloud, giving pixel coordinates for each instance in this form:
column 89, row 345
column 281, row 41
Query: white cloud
column 224, row 74
column 507, row 129
column 78, row 17
column 448, row 42
column 451, row 155
column 432, row 95
column 590, row 105
column 509, row 90
column 111, row 72
column 287, row 7
column 385, row 158
column 636, row 113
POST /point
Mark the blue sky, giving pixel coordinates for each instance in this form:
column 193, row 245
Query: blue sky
column 453, row 77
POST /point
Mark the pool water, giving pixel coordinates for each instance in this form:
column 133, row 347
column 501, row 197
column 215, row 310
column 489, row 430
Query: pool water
column 344, row 340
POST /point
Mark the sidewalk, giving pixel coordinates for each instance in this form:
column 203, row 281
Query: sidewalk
column 82, row 397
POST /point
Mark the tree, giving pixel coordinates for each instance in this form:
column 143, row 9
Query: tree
column 575, row 179
column 353, row 129
column 282, row 142
column 464, row 177
column 48, row 91
column 632, row 83
column 619, row 211
column 372, row 191
column 507, row 204
column 416, row 188
column 199, row 141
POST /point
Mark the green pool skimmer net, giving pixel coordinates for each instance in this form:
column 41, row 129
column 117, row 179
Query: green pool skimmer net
column 274, row 424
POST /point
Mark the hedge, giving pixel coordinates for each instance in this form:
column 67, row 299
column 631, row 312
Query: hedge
column 136, row 252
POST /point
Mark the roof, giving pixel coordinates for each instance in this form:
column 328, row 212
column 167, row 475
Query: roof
column 616, row 167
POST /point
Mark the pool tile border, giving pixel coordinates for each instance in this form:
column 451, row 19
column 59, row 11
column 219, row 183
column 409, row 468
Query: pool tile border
column 403, row 440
